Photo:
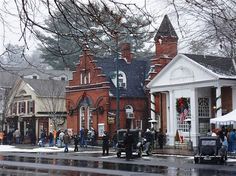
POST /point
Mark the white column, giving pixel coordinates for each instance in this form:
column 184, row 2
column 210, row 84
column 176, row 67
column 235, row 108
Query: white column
column 172, row 119
column 8, row 127
column 24, row 128
column 37, row 129
column 194, row 132
column 18, row 125
column 234, row 97
column 168, row 117
column 218, row 102
column 152, row 108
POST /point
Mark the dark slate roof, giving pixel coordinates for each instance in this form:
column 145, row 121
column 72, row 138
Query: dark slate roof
column 219, row 65
column 166, row 29
column 47, row 88
column 135, row 74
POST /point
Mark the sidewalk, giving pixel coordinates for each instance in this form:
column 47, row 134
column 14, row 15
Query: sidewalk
column 172, row 151
column 30, row 148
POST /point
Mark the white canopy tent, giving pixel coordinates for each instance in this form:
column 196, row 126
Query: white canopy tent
column 226, row 119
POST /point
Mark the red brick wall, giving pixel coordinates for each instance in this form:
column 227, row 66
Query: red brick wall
column 99, row 96
column 168, row 47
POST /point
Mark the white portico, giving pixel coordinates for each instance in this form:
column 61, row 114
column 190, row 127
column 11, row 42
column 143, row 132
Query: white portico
column 207, row 87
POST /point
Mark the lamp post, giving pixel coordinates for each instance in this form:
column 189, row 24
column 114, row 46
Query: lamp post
column 190, row 144
column 117, row 83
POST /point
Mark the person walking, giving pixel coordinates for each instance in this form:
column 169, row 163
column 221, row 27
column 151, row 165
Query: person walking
column 66, row 140
column 43, row 137
column 114, row 140
column 17, row 136
column 232, row 137
column 128, row 142
column 81, row 133
column 161, row 138
column 51, row 138
column 105, row 143
column 76, row 142
column 60, row 140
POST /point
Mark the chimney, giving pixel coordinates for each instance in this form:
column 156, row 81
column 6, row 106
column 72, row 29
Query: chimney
column 126, row 52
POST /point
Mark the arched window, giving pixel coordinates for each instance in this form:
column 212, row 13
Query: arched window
column 129, row 111
column 89, row 118
column 82, row 117
column 122, row 80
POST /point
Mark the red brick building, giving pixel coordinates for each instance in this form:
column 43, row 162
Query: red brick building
column 91, row 94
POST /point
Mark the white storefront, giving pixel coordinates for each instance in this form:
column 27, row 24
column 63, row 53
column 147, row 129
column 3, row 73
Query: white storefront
column 186, row 78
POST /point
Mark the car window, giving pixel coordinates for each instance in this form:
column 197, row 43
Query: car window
column 208, row 142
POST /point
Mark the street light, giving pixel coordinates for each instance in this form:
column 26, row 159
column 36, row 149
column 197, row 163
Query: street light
column 190, row 144
column 117, row 83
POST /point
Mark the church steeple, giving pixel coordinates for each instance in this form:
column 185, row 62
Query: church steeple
column 166, row 39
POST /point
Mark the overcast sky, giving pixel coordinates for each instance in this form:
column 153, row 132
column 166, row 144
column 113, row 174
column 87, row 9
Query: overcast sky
column 10, row 32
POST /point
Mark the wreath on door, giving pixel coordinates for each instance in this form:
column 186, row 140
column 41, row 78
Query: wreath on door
column 182, row 104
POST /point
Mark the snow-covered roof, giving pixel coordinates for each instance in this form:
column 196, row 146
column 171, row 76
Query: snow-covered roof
column 222, row 66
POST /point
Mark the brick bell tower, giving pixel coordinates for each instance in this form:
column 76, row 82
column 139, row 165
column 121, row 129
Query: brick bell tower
column 166, row 41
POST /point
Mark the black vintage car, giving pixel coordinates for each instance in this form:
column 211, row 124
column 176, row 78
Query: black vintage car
column 210, row 149
column 137, row 142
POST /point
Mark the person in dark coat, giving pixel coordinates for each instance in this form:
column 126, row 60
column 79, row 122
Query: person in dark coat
column 161, row 138
column 9, row 137
column 105, row 144
column 51, row 138
column 76, row 142
column 128, row 142
column 66, row 140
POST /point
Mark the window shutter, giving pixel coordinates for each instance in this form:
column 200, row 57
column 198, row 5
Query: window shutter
column 28, row 110
column 24, row 110
column 19, row 107
column 33, row 104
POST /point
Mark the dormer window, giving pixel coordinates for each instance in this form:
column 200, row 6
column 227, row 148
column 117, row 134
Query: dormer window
column 122, row 80
column 35, row 77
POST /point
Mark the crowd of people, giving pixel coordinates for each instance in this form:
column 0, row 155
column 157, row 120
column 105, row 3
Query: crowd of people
column 227, row 137
column 16, row 137
column 84, row 137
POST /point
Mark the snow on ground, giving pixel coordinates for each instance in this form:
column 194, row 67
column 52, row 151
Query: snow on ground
column 20, row 148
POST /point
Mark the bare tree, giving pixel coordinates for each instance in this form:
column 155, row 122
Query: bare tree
column 53, row 101
column 214, row 20
column 117, row 13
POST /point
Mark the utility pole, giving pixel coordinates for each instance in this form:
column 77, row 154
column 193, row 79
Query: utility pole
column 117, row 83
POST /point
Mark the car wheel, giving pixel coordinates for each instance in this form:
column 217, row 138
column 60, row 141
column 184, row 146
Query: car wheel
column 118, row 154
column 140, row 154
column 196, row 161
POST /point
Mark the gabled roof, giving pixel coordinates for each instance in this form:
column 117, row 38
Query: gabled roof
column 215, row 67
column 135, row 74
column 220, row 65
column 47, row 88
column 166, row 29
column 42, row 73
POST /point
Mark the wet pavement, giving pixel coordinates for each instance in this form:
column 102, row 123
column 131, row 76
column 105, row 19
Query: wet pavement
column 90, row 162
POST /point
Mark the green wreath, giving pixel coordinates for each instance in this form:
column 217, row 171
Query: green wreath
column 181, row 104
